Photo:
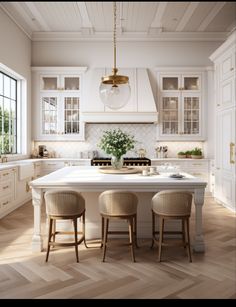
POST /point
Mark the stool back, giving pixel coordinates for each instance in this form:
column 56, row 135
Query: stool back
column 172, row 203
column 118, row 203
column 64, row 203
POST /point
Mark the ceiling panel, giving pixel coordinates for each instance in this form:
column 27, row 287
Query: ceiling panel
column 199, row 15
column 101, row 15
column 224, row 18
column 173, row 14
column 60, row 16
column 138, row 16
column 94, row 20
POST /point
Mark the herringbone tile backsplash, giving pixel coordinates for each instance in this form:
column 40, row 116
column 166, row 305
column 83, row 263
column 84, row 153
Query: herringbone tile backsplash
column 145, row 135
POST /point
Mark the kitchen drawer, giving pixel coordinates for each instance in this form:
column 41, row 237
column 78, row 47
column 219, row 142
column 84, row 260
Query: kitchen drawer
column 5, row 202
column 6, row 174
column 6, row 187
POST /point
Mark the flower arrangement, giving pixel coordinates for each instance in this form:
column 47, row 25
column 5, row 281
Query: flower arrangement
column 116, row 142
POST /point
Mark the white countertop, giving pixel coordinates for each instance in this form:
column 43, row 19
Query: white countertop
column 16, row 163
column 85, row 176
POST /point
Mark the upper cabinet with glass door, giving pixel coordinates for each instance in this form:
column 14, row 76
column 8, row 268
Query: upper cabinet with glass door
column 58, row 93
column 59, row 83
column 180, row 98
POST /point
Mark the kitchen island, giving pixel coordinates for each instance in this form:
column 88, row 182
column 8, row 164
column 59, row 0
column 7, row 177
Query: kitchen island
column 90, row 182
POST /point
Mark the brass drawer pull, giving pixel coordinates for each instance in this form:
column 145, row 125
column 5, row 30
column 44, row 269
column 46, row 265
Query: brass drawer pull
column 231, row 145
column 6, row 202
column 6, row 174
column 6, row 187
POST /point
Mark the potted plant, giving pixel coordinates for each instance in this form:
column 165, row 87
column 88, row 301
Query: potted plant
column 116, row 143
column 188, row 153
column 181, row 154
column 196, row 153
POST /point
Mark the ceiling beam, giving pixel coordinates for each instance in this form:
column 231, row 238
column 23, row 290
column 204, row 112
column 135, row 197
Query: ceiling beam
column 187, row 15
column 84, row 14
column 156, row 23
column 208, row 19
column 35, row 12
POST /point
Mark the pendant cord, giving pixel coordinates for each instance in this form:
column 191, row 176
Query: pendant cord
column 114, row 35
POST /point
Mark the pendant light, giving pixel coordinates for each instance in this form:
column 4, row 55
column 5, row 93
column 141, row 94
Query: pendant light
column 114, row 89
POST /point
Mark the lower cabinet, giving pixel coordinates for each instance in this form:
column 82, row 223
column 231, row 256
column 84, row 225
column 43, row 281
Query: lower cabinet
column 197, row 168
column 7, row 190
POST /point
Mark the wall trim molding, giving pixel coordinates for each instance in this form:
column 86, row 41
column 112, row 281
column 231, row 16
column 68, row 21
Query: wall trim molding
column 130, row 36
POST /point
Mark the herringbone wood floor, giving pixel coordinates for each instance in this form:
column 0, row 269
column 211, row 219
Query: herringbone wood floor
column 210, row 275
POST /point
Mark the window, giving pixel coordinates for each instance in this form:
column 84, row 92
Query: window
column 8, row 114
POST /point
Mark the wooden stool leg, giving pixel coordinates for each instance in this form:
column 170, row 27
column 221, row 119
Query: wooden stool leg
column 131, row 238
column 54, row 230
column 161, row 221
column 135, row 230
column 76, row 240
column 105, row 239
column 102, row 232
column 189, row 249
column 83, row 221
column 183, row 234
column 153, row 228
column 49, row 237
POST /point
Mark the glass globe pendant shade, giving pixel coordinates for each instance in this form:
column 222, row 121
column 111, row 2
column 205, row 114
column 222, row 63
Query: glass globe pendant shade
column 114, row 96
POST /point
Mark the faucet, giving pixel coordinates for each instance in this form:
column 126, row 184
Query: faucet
column 4, row 159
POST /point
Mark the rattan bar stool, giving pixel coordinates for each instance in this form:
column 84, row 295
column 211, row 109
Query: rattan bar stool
column 115, row 204
column 64, row 205
column 171, row 204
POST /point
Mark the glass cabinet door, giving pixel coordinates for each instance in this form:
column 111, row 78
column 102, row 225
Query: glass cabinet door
column 71, row 115
column 170, row 115
column 49, row 83
column 170, row 83
column 49, row 115
column 71, row 83
column 191, row 83
column 191, row 115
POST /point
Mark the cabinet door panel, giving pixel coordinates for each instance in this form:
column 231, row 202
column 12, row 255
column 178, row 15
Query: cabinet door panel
column 228, row 66
column 49, row 115
column 228, row 137
column 227, row 93
column 49, row 82
column 170, row 114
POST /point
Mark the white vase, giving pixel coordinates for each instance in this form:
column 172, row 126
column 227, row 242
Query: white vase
column 116, row 162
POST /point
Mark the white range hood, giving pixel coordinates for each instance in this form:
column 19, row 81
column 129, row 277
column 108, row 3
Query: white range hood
column 141, row 107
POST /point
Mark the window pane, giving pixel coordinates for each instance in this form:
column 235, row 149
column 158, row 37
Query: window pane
column 6, row 86
column 13, row 89
column 8, row 126
column 1, row 84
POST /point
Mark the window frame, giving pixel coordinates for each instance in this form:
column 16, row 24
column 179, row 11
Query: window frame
column 15, row 136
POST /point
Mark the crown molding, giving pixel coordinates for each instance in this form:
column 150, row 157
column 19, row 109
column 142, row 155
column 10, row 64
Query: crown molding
column 129, row 36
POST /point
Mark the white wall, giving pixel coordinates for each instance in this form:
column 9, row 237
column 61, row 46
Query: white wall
column 15, row 53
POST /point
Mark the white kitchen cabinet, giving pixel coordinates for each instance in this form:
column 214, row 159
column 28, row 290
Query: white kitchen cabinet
column 7, row 190
column 182, row 103
column 225, row 153
column 57, row 98
column 140, row 107
column 50, row 166
column 225, row 158
column 198, row 168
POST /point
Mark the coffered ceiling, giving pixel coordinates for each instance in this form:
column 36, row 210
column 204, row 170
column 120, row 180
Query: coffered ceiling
column 135, row 20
